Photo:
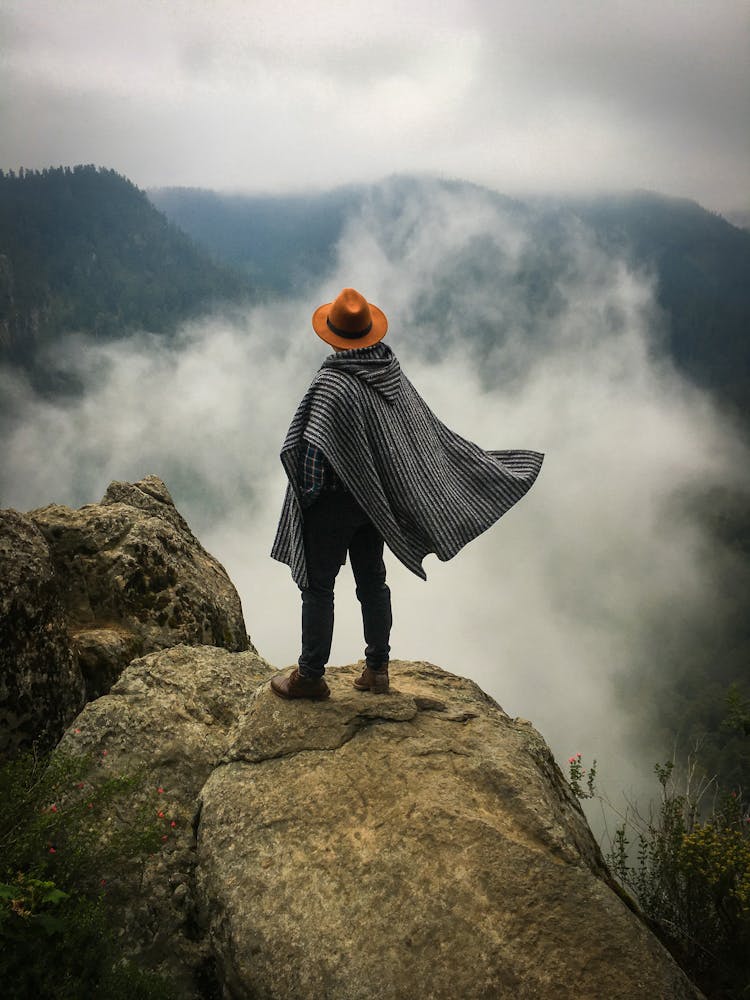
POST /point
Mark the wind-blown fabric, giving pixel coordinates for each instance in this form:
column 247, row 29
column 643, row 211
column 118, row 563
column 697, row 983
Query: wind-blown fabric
column 425, row 488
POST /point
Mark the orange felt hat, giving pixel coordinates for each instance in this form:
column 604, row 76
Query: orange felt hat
column 349, row 321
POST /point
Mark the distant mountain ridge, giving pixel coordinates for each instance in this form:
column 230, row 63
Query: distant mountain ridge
column 701, row 261
column 282, row 242
column 703, row 267
column 740, row 218
column 83, row 249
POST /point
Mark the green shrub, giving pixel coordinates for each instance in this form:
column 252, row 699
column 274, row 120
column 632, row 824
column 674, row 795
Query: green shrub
column 71, row 833
column 688, row 866
column 577, row 774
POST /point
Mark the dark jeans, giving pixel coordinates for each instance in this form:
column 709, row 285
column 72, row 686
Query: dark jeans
column 334, row 525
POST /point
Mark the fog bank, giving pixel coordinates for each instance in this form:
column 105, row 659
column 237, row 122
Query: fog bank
column 552, row 609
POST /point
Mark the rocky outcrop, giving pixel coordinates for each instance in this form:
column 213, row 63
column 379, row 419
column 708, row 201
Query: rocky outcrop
column 132, row 567
column 370, row 847
column 41, row 687
column 125, row 577
column 417, row 844
column 169, row 718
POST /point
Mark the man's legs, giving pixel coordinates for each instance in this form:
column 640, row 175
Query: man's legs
column 334, row 524
column 326, row 535
column 366, row 556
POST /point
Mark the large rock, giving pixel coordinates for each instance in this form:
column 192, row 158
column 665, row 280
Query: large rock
column 169, row 719
column 41, row 687
column 417, row 844
column 83, row 592
column 422, row 844
column 137, row 580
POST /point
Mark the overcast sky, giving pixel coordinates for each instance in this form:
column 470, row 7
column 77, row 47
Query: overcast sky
column 252, row 95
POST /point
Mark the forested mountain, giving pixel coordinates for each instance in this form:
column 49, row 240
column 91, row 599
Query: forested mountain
column 741, row 219
column 283, row 243
column 701, row 261
column 83, row 249
column 703, row 268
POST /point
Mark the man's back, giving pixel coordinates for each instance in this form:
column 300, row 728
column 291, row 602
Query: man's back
column 369, row 464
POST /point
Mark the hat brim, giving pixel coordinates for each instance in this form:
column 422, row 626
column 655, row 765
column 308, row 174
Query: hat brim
column 373, row 336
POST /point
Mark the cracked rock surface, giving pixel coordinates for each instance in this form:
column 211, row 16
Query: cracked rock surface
column 369, row 847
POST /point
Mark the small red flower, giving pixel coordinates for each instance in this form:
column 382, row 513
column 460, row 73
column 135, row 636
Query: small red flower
column 103, row 881
column 160, row 790
column 91, row 805
column 104, row 753
column 173, row 824
column 160, row 815
column 77, row 730
column 165, row 837
column 53, row 809
column 52, row 850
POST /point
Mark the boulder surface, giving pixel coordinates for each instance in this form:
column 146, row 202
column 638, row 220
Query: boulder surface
column 83, row 592
column 136, row 580
column 169, row 719
column 41, row 687
column 370, row 847
column 418, row 844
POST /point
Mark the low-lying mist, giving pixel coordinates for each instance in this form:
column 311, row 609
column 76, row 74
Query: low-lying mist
column 552, row 610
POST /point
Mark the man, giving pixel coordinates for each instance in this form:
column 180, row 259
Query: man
column 367, row 463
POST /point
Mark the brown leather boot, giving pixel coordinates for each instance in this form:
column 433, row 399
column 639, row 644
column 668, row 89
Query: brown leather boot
column 295, row 686
column 373, row 680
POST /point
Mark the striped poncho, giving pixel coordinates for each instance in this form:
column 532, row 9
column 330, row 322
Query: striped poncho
column 425, row 488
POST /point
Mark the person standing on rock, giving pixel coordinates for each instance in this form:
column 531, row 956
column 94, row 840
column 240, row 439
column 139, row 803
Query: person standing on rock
column 369, row 463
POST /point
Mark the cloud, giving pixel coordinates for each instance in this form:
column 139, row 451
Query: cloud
column 539, row 96
column 553, row 609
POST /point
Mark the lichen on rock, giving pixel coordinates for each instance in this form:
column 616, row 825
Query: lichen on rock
column 131, row 563
column 41, row 687
column 83, row 592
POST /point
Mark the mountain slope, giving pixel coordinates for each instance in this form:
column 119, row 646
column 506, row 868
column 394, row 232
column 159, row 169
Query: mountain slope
column 282, row 242
column 700, row 261
column 83, row 249
column 703, row 264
